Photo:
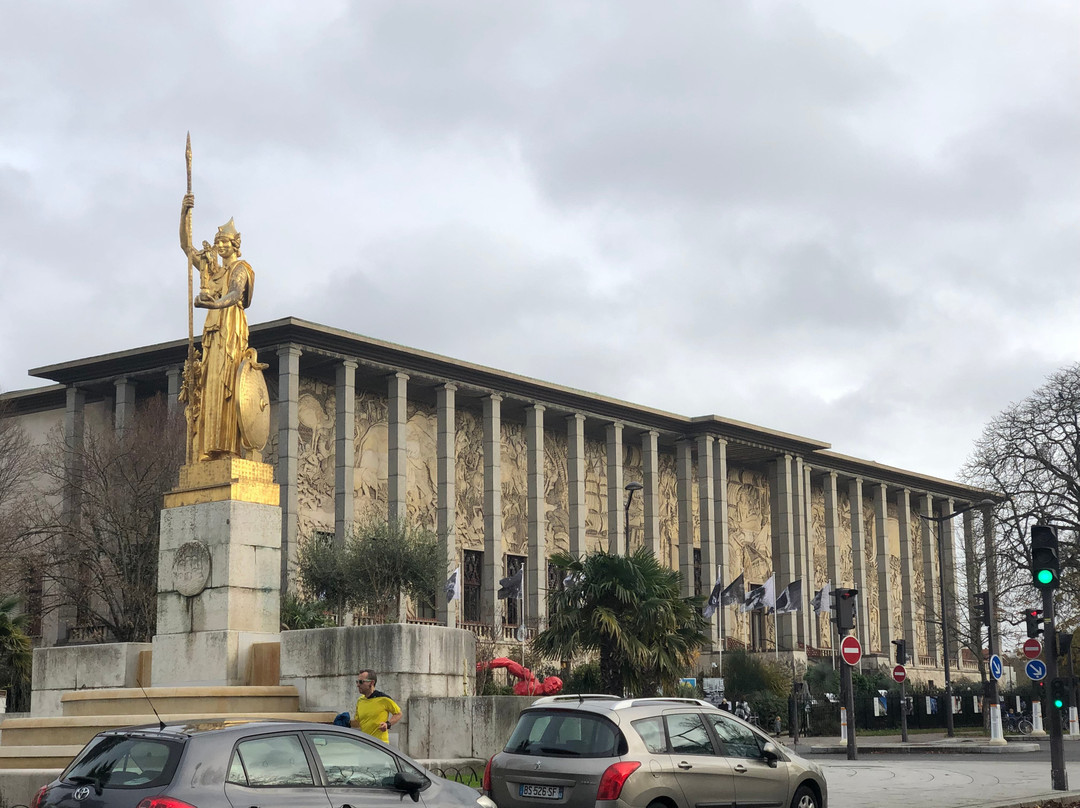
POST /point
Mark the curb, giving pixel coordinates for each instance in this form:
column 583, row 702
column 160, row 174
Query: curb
column 927, row 749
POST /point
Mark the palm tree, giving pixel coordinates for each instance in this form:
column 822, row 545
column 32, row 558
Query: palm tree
column 15, row 650
column 627, row 609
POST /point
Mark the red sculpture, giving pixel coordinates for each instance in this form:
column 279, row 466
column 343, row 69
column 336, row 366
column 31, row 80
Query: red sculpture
column 527, row 684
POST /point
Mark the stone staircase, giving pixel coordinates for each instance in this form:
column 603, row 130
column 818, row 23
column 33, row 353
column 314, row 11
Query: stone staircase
column 51, row 742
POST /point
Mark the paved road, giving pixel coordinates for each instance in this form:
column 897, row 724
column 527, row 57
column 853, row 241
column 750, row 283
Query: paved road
column 943, row 781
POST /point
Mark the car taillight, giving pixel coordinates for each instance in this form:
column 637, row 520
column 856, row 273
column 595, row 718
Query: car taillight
column 39, row 798
column 611, row 782
column 486, row 785
column 164, row 802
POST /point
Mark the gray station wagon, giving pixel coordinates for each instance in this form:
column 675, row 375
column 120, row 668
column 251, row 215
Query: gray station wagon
column 242, row 763
column 585, row 751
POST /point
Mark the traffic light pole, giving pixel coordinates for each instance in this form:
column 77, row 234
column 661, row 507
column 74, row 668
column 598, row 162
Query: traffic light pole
column 996, row 734
column 1059, row 778
column 903, row 711
column 848, row 692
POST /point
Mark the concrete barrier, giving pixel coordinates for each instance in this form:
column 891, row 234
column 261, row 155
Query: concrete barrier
column 18, row 787
column 78, row 667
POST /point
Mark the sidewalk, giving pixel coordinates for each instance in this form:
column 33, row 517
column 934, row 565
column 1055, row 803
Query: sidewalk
column 921, row 743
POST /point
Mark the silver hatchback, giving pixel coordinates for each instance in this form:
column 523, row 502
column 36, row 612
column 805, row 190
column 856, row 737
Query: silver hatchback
column 585, row 751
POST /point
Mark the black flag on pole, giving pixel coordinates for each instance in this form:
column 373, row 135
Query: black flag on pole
column 511, row 587
column 735, row 593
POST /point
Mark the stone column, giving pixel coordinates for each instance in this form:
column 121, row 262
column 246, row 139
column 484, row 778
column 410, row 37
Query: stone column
column 288, row 454
column 783, row 542
column 575, row 480
column 720, row 529
column 930, row 577
column 446, row 519
column 881, row 535
column 397, row 459
column 707, row 519
column 536, row 569
column 651, row 493
column 125, row 405
column 858, row 561
column 493, row 543
column 684, row 475
column 174, row 375
column 947, row 571
column 615, row 493
column 832, row 546
column 800, row 543
column 56, row 623
column 344, row 449
column 810, row 563
column 907, row 571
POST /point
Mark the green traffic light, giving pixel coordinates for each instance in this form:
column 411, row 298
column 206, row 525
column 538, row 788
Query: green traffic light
column 1059, row 703
column 1045, row 576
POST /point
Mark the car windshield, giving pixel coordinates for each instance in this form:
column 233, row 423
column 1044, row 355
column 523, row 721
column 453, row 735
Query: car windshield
column 124, row 761
column 565, row 734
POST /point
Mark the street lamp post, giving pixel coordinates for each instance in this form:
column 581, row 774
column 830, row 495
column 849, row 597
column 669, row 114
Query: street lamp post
column 940, row 520
column 631, row 487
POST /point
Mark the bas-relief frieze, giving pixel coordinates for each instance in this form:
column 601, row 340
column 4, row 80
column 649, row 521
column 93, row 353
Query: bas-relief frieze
column 668, row 509
column 819, row 569
column 371, row 443
column 315, row 456
column 869, row 603
column 515, row 489
column 595, row 495
column 421, row 459
column 469, row 466
column 749, row 539
column 556, row 492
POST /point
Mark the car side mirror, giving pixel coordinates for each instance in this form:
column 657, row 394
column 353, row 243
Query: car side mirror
column 770, row 754
column 410, row 783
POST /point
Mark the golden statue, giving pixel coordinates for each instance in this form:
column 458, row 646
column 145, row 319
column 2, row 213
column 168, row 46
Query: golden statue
column 227, row 403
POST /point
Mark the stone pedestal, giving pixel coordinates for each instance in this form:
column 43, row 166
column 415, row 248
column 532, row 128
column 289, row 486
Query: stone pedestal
column 219, row 573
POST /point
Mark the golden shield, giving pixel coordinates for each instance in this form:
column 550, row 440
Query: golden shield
column 252, row 402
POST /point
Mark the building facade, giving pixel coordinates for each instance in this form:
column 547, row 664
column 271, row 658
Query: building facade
column 508, row 470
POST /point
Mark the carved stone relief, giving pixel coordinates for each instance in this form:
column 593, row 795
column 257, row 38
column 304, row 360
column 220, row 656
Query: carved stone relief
column 515, row 489
column 421, row 461
column 470, row 479
column 819, row 570
column 869, row 602
column 556, row 491
column 370, row 448
column 315, row 457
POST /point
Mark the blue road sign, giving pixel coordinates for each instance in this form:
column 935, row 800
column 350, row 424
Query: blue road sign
column 1036, row 670
column 995, row 667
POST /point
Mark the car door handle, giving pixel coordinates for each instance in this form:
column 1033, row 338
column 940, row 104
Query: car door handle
column 683, row 764
column 739, row 767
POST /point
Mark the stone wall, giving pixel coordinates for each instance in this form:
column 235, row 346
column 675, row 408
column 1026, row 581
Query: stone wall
column 472, row 727
column 81, row 667
column 410, row 661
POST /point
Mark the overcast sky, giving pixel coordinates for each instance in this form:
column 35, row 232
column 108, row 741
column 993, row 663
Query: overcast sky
column 856, row 221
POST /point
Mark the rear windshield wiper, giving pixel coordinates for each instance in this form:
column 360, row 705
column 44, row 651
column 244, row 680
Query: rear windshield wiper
column 82, row 780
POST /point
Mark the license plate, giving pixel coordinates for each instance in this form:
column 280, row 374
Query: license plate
column 541, row 792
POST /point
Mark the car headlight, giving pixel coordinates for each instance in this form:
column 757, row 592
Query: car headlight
column 484, row 802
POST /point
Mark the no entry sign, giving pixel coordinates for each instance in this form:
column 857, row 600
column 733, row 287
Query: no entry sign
column 899, row 673
column 1032, row 648
column 850, row 650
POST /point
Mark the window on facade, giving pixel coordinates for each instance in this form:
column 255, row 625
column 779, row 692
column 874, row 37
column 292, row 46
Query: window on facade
column 324, row 538
column 513, row 605
column 425, row 607
column 472, row 570
column 697, row 571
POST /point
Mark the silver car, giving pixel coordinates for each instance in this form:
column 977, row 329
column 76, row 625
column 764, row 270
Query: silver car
column 241, row 763
column 585, row 751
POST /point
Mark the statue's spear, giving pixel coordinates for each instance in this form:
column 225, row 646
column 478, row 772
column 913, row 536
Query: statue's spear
column 189, row 368
column 190, row 296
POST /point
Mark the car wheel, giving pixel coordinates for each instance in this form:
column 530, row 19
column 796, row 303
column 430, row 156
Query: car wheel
column 804, row 798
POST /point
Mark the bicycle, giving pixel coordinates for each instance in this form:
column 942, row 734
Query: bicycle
column 1016, row 724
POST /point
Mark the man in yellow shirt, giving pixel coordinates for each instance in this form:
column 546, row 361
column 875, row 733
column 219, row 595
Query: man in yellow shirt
column 375, row 712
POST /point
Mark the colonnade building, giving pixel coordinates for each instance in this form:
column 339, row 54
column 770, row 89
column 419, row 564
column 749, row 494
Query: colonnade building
column 508, row 470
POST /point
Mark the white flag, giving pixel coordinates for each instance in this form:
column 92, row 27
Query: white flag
column 453, row 585
column 761, row 597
